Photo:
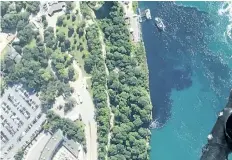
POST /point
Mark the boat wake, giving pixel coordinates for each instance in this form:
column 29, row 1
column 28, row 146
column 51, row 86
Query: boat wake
column 155, row 124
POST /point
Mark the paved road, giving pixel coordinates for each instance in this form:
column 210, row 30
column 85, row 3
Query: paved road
column 87, row 112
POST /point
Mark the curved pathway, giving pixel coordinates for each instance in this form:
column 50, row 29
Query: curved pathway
column 87, row 112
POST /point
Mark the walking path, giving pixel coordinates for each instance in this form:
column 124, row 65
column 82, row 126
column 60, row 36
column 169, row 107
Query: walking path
column 77, row 7
column 108, row 99
column 5, row 39
column 87, row 112
column 107, row 74
column 84, row 109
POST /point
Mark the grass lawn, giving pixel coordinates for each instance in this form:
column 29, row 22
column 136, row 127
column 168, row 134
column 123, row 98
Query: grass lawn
column 74, row 47
column 75, row 51
column 32, row 43
column 135, row 5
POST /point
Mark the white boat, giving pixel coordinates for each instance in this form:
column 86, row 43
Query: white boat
column 159, row 23
column 148, row 14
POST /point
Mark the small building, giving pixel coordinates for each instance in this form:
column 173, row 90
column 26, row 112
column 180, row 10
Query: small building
column 72, row 147
column 52, row 146
column 57, row 141
column 12, row 54
column 56, row 7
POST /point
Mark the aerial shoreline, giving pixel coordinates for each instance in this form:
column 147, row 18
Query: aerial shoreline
column 130, row 6
column 181, row 103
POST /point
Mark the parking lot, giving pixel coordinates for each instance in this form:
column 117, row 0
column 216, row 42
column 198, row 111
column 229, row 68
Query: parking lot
column 21, row 120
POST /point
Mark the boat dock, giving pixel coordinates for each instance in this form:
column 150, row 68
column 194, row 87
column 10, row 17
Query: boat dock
column 132, row 20
column 144, row 14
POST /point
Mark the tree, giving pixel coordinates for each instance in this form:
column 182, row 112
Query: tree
column 71, row 73
column 61, row 36
column 70, row 6
column 19, row 6
column 80, row 31
column 70, row 104
column 92, row 4
column 48, row 95
column 43, row 18
column 18, row 49
column 82, row 24
column 128, row 94
column 33, row 6
column 94, row 64
column 64, row 24
column 25, row 35
column 19, row 155
column 68, row 16
column 49, row 37
column 3, row 86
column 73, row 17
column 88, row 64
column 64, row 89
column 9, row 21
column 60, row 20
column 77, row 11
column 49, row 52
column 81, row 47
column 70, row 31
column 11, row 9
column 50, row 42
column 21, row 25
column 72, row 130
column 144, row 132
column 25, row 16
column 63, row 75
column 67, row 44
column 46, row 75
column 75, row 40
column 45, row 23
column 112, row 150
column 86, row 11
column 49, row 31
column 4, row 7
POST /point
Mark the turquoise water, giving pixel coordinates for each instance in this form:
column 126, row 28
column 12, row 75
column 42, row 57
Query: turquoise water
column 190, row 75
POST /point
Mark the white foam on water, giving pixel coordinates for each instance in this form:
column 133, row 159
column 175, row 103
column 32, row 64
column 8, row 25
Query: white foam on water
column 155, row 124
column 226, row 10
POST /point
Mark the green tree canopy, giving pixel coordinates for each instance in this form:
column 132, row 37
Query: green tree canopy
column 33, row 6
column 19, row 155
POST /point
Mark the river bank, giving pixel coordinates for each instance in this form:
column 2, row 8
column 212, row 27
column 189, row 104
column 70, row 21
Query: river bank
column 189, row 75
column 127, row 87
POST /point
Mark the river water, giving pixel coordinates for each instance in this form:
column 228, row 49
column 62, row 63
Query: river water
column 190, row 74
